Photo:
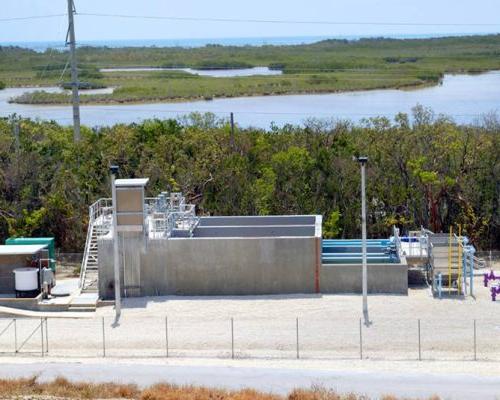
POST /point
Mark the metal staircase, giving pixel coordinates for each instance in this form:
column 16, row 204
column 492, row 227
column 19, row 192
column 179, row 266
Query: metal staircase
column 99, row 225
column 90, row 275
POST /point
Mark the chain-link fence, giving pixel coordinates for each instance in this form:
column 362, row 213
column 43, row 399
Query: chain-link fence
column 392, row 339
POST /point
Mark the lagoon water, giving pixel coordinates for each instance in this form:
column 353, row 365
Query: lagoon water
column 463, row 97
column 215, row 73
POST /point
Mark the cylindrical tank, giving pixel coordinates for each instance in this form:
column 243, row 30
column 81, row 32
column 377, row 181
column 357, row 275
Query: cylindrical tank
column 26, row 279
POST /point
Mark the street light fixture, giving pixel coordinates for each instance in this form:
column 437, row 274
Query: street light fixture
column 362, row 162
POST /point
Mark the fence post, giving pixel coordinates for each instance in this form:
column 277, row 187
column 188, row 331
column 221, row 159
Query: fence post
column 46, row 335
column 103, row 339
column 475, row 341
column 41, row 333
column 232, row 338
column 297, row 330
column 166, row 335
column 419, row 343
column 360, row 340
column 15, row 335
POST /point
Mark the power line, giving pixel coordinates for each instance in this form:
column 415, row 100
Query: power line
column 31, row 17
column 277, row 21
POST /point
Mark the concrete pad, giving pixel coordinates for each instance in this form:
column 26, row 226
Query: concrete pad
column 85, row 298
column 65, row 287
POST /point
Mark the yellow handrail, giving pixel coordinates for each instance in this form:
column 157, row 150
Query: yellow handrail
column 459, row 239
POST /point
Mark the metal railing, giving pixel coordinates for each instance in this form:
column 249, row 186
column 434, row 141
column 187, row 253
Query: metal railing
column 166, row 216
column 99, row 222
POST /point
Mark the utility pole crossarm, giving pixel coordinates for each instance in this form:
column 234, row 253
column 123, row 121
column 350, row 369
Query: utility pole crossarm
column 70, row 40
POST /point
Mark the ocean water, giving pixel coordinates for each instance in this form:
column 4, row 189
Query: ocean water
column 201, row 42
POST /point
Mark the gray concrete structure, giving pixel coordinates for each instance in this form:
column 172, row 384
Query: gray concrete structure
column 220, row 259
column 382, row 278
column 179, row 253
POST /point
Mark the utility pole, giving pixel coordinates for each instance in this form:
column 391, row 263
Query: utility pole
column 362, row 161
column 231, row 139
column 15, row 131
column 70, row 40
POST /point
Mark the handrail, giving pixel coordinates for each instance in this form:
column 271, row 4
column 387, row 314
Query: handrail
column 98, row 209
column 87, row 246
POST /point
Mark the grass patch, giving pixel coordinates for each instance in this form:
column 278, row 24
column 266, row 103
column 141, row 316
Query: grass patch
column 64, row 389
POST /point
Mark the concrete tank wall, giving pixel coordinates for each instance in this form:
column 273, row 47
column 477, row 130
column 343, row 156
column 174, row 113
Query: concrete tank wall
column 253, row 231
column 267, row 220
column 347, row 278
column 214, row 266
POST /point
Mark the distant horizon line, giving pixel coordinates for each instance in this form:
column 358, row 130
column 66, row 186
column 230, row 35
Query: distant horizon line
column 207, row 40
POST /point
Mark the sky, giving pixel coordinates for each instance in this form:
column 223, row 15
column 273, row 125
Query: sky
column 98, row 28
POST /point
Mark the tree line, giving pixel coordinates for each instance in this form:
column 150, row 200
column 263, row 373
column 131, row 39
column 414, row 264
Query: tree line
column 423, row 170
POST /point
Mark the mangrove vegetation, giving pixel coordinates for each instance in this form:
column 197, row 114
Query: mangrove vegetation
column 423, row 170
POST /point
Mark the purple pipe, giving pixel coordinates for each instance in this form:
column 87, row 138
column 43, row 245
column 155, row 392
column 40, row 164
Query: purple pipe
column 490, row 277
column 494, row 291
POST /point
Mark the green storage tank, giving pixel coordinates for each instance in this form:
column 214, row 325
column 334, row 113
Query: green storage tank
column 49, row 241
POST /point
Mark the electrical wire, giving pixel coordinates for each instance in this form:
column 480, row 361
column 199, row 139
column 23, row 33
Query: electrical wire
column 277, row 21
column 32, row 17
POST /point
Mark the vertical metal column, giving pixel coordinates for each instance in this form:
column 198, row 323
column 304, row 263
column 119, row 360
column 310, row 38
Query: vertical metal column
column 471, row 265
column 419, row 343
column 360, row 339
column 41, row 334
column 103, row 339
column 15, row 335
column 362, row 161
column 232, row 338
column 475, row 341
column 297, row 331
column 166, row 335
column 116, row 253
column 46, row 335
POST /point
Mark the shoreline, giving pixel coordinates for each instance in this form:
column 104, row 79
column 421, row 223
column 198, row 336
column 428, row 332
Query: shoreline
column 161, row 100
column 111, row 102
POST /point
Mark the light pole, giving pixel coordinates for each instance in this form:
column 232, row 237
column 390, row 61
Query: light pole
column 116, row 255
column 362, row 162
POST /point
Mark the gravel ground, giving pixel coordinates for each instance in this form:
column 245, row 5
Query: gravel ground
column 266, row 327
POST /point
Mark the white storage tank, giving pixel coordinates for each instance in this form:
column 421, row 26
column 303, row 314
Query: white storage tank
column 26, row 279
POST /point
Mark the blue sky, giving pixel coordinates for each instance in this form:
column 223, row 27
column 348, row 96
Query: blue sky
column 94, row 28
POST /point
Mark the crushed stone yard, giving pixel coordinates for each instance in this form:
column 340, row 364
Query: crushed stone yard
column 266, row 327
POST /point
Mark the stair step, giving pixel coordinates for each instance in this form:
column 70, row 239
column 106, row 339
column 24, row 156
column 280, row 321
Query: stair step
column 82, row 305
column 82, row 309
